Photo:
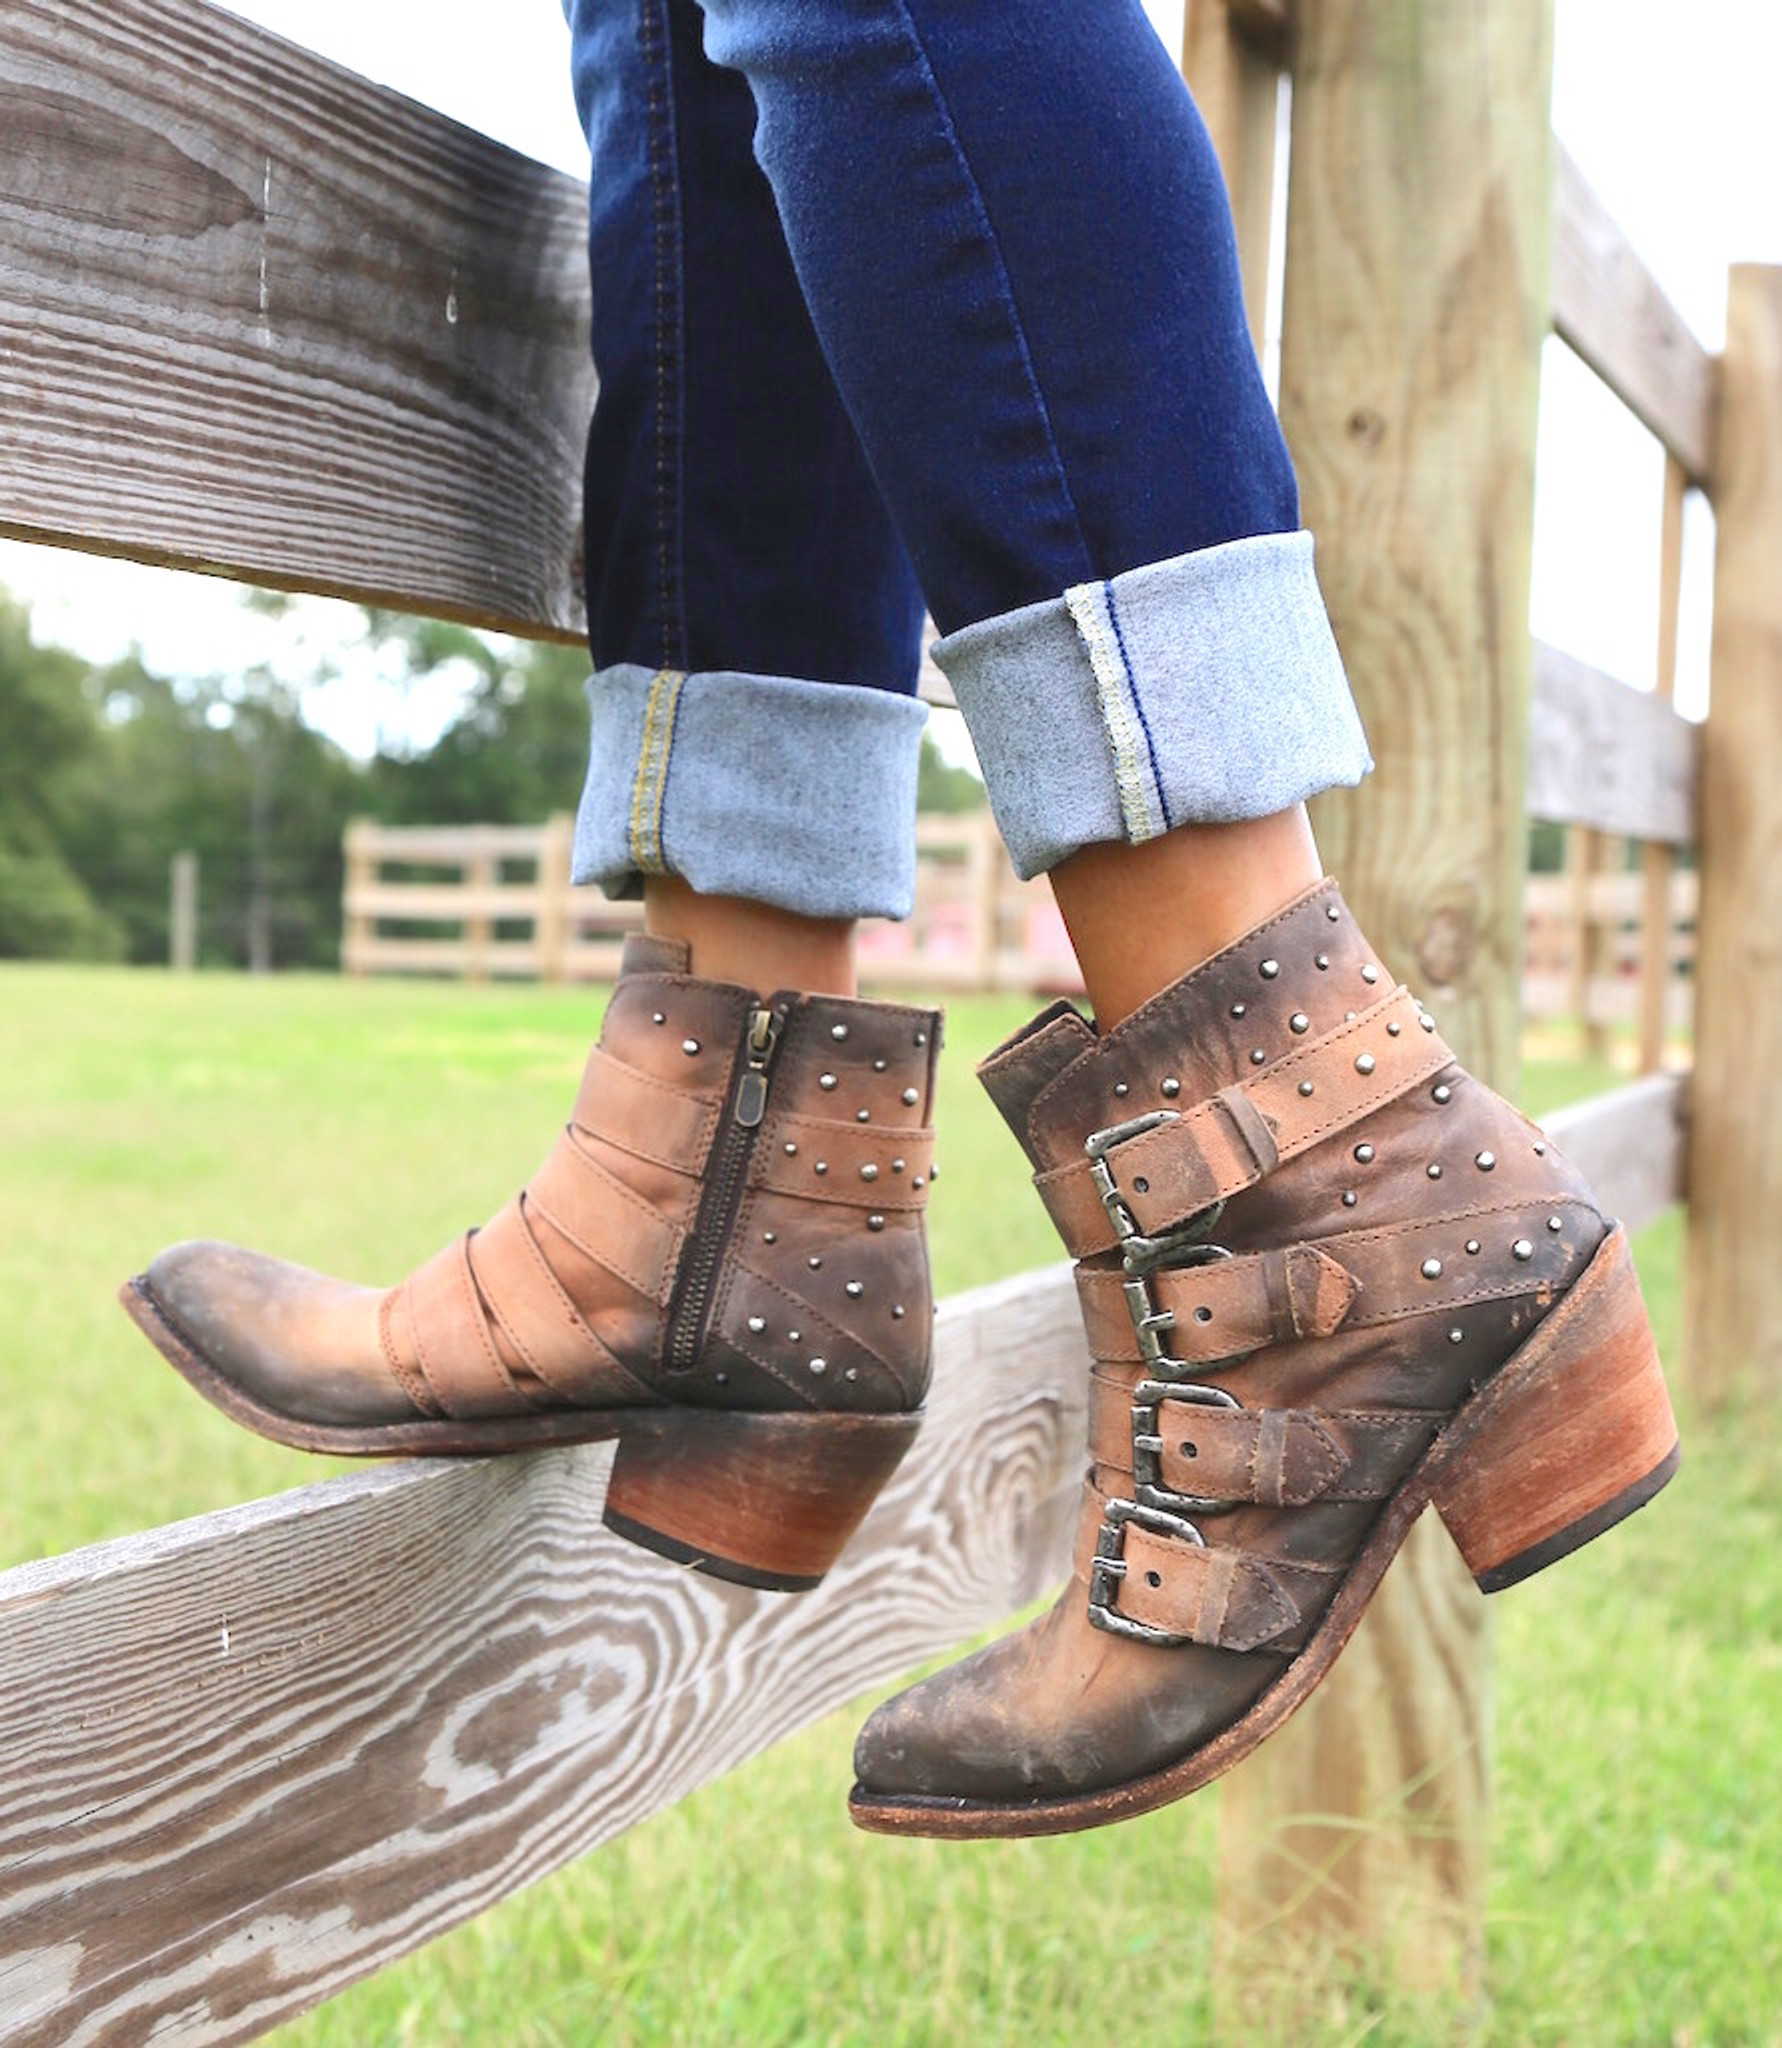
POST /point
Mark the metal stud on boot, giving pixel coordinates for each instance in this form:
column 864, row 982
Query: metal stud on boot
column 721, row 1264
column 1327, row 1280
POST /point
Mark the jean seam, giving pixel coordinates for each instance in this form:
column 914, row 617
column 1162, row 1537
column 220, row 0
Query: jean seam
column 975, row 195
column 1138, row 705
column 1136, row 781
column 649, row 787
column 663, row 149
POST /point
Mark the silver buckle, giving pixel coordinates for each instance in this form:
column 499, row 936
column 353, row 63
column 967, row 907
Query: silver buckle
column 1148, row 1398
column 1156, row 1509
column 1108, row 1567
column 1144, row 1254
column 1151, row 1323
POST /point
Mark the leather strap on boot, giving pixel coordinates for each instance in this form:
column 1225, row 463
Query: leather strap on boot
column 1151, row 1189
column 1142, row 1181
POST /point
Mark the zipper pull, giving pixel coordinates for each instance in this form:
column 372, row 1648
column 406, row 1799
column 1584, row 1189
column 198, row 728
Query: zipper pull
column 751, row 1089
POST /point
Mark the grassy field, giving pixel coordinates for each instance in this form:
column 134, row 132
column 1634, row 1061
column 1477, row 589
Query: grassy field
column 1637, row 1888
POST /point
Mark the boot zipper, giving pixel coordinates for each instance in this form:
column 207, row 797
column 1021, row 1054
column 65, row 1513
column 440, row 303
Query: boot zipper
column 723, row 1189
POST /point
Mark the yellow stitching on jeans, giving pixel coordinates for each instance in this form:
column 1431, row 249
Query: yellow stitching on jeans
column 652, row 772
column 651, row 783
column 1112, row 688
column 640, row 780
column 670, row 704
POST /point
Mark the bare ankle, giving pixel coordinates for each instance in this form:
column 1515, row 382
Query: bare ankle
column 734, row 939
column 1140, row 917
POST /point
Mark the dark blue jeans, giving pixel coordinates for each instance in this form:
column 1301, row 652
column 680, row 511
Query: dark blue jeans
column 906, row 300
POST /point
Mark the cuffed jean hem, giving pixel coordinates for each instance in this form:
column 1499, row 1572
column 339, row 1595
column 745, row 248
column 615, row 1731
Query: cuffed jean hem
column 793, row 793
column 1201, row 690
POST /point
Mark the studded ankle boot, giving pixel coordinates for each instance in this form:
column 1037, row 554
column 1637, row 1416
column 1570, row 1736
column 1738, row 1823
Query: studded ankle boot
column 721, row 1264
column 1327, row 1279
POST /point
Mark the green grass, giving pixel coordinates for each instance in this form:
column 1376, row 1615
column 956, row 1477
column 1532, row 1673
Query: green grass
column 1637, row 1862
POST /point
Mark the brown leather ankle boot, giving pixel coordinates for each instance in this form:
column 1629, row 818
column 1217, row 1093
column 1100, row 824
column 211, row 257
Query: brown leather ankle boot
column 1327, row 1279
column 721, row 1264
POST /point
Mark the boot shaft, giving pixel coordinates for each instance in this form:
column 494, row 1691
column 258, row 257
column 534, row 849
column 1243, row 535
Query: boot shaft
column 784, row 1144
column 1359, row 1178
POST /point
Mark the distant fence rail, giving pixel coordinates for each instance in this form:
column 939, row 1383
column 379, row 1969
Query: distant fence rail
column 485, row 902
column 475, row 902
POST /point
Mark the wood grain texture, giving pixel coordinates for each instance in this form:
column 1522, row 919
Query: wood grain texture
column 1603, row 754
column 254, row 1756
column 260, row 317
column 1608, row 307
column 1734, row 1278
column 1415, row 311
column 1266, row 23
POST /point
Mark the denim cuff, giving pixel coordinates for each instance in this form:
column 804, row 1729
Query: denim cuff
column 794, row 793
column 1195, row 691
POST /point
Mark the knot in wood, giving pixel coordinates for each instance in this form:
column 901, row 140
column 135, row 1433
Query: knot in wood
column 1367, row 426
column 1446, row 949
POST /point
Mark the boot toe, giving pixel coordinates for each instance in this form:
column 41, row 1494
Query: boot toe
column 1057, row 1710
column 291, row 1340
column 951, row 1736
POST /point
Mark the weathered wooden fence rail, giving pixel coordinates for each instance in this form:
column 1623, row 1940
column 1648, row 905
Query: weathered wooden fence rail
column 259, row 317
column 263, row 317
column 253, row 1756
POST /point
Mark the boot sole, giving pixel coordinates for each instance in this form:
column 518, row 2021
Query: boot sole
column 1569, row 1437
column 761, row 1500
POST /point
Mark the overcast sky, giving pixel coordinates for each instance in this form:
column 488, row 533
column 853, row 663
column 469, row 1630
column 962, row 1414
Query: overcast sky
column 1669, row 111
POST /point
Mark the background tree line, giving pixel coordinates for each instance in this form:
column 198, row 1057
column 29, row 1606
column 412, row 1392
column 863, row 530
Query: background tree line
column 107, row 773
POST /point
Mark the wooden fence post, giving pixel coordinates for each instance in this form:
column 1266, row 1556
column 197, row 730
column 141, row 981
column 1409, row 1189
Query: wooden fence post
column 551, row 925
column 1734, row 1281
column 1588, row 855
column 1415, row 311
column 1235, row 77
column 1658, row 861
column 481, row 871
column 357, row 929
column 182, row 924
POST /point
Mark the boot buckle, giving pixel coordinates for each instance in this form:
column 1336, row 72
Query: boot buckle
column 1144, row 1254
column 1148, row 1398
column 1152, row 1324
column 1108, row 1567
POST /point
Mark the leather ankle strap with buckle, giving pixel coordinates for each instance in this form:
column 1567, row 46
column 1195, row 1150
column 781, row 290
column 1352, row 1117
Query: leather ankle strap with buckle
column 1154, row 1578
column 1199, row 1458
column 1147, row 1186
column 1214, row 1309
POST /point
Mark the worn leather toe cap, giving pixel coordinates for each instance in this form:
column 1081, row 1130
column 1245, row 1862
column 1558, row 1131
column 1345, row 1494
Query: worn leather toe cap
column 1056, row 1709
column 292, row 1339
